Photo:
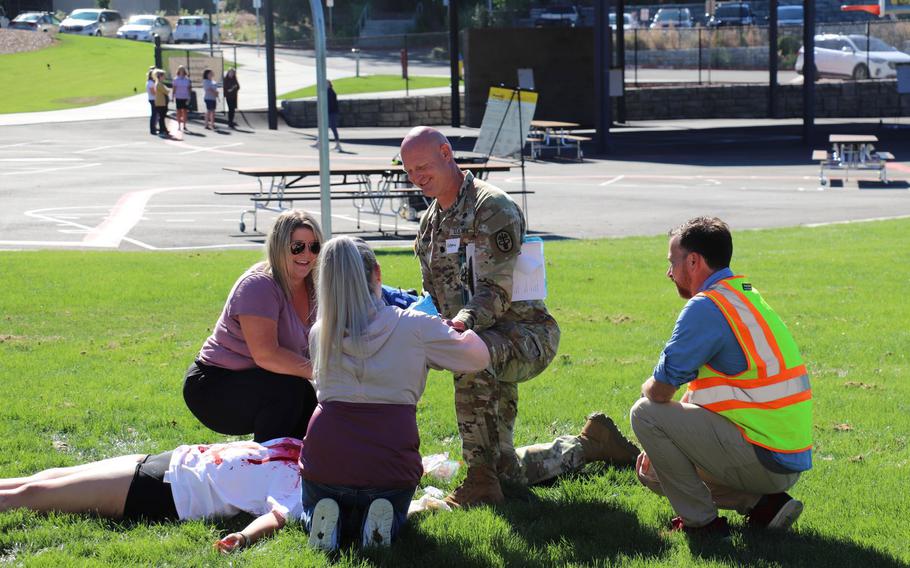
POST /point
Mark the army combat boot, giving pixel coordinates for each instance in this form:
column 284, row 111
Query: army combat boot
column 480, row 487
column 602, row 441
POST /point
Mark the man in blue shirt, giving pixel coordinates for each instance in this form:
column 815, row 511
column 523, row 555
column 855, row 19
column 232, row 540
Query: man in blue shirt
column 699, row 459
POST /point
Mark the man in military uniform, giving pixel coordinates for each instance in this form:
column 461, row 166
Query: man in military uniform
column 475, row 292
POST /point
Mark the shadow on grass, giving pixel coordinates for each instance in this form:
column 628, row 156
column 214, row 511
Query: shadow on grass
column 807, row 548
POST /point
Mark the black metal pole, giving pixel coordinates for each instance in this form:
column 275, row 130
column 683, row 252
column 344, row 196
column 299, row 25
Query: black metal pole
column 808, row 70
column 699, row 56
column 270, row 63
column 158, row 64
column 211, row 37
column 772, row 59
column 621, row 57
column 603, row 111
column 453, row 63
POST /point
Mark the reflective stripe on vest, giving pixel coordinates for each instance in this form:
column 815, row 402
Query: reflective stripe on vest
column 769, row 401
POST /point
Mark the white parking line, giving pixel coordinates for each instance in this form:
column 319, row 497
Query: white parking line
column 197, row 150
column 24, row 144
column 611, row 181
column 46, row 170
column 86, row 151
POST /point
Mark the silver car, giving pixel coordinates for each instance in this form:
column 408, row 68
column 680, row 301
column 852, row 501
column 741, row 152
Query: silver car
column 92, row 22
column 145, row 28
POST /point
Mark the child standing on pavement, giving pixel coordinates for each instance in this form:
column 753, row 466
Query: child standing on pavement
column 211, row 98
column 150, row 91
column 182, row 88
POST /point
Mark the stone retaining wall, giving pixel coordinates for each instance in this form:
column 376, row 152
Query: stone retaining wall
column 431, row 110
column 832, row 100
column 836, row 99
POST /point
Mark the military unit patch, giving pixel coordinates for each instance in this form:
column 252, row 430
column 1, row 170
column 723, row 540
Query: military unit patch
column 504, row 241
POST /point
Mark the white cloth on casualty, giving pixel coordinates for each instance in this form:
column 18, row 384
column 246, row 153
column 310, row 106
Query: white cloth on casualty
column 222, row 480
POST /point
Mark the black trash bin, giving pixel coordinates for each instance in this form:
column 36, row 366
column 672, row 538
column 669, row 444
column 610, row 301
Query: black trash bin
column 194, row 107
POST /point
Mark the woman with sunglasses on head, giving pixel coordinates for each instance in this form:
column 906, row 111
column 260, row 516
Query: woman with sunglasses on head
column 253, row 373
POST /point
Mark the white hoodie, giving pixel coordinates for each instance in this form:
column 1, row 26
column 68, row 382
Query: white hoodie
column 395, row 356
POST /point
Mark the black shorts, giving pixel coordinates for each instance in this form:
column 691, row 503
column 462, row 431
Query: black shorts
column 183, row 104
column 149, row 497
column 210, row 104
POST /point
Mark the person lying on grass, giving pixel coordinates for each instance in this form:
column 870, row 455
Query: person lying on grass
column 189, row 482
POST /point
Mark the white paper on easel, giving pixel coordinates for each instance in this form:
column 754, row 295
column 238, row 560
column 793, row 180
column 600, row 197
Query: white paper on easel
column 529, row 278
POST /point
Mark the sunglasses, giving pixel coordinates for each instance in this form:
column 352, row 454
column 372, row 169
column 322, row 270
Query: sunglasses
column 298, row 247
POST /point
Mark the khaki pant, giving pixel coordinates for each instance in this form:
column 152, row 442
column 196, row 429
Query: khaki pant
column 702, row 461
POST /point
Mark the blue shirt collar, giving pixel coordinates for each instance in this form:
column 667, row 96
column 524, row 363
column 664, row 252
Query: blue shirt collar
column 719, row 275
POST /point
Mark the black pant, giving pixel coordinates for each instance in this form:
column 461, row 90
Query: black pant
column 232, row 108
column 152, row 118
column 253, row 400
column 162, row 114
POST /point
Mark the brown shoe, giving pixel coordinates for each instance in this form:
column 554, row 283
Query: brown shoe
column 602, row 441
column 480, row 487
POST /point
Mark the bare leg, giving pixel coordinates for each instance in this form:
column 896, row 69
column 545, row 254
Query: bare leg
column 56, row 472
column 100, row 489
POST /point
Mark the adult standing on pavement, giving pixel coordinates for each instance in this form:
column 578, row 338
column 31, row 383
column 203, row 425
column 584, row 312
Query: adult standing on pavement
column 150, row 91
column 253, row 373
column 334, row 114
column 182, row 88
column 210, row 88
column 742, row 433
column 522, row 336
column 230, row 87
column 161, row 100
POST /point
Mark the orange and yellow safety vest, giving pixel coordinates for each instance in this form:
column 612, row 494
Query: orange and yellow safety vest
column 771, row 401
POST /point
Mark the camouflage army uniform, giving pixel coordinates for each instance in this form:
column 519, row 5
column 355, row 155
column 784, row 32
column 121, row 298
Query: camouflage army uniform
column 522, row 336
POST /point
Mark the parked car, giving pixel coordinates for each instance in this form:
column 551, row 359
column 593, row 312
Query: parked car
column 628, row 22
column 35, row 22
column 558, row 16
column 789, row 16
column 145, row 28
column 854, row 56
column 732, row 14
column 92, row 22
column 672, row 18
column 195, row 29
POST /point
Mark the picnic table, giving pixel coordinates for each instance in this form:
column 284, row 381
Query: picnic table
column 852, row 152
column 556, row 135
column 279, row 188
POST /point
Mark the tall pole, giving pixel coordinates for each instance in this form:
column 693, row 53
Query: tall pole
column 808, row 70
column 322, row 119
column 772, row 59
column 270, row 64
column 603, row 111
column 453, row 63
column 621, row 56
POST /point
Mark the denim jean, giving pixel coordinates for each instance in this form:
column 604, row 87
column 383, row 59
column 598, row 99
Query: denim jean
column 353, row 503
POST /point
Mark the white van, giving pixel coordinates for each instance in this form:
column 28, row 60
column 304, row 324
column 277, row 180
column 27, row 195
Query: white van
column 195, row 29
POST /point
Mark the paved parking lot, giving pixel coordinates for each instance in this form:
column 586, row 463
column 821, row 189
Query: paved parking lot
column 110, row 185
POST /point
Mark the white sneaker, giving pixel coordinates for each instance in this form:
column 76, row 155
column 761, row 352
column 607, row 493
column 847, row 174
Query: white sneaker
column 324, row 529
column 338, row 147
column 377, row 528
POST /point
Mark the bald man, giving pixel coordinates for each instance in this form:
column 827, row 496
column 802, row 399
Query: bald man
column 522, row 336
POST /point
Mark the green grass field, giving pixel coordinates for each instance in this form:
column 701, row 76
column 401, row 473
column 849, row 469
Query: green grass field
column 77, row 71
column 371, row 84
column 93, row 347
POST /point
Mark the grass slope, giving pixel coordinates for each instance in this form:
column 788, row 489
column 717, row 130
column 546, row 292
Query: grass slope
column 371, row 84
column 93, row 347
column 77, row 71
